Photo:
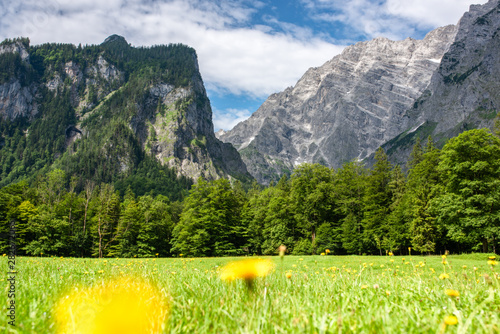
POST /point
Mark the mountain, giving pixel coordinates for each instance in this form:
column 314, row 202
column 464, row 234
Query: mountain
column 376, row 93
column 109, row 113
column 464, row 92
column 343, row 110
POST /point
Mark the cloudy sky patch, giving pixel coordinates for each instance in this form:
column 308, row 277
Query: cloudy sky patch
column 246, row 49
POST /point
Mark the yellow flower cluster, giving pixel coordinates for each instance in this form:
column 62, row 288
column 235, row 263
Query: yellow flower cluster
column 119, row 306
column 247, row 269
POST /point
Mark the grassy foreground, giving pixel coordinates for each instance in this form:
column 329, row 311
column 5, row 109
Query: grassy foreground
column 309, row 294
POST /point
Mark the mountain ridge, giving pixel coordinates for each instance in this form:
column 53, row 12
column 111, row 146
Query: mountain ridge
column 342, row 110
column 101, row 110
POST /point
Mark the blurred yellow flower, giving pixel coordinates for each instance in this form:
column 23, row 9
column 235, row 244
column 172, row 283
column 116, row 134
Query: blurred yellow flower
column 282, row 250
column 327, row 251
column 120, row 306
column 288, row 275
column 443, row 276
column 247, row 269
column 443, row 256
column 322, row 254
column 492, row 257
column 450, row 320
column 492, row 262
column 364, row 286
column 452, row 293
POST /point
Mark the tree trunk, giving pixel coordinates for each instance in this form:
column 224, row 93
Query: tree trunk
column 485, row 245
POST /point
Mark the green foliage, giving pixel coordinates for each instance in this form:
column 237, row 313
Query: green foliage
column 210, row 223
column 470, row 201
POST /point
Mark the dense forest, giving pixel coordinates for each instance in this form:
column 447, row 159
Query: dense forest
column 443, row 200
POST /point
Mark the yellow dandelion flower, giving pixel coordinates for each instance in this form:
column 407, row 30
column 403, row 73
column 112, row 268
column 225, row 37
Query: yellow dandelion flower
column 322, row 254
column 391, row 254
column 4, row 255
column 387, row 292
column 492, row 257
column 443, row 256
column 288, row 275
column 452, row 293
column 121, row 306
column 101, row 271
column 443, row 276
column 464, row 266
column 364, row 286
column 450, row 320
column 492, row 262
column 327, row 251
column 247, row 269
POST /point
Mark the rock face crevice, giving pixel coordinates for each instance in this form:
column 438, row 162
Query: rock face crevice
column 343, row 110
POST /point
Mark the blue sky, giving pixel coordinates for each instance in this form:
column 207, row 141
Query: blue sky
column 246, row 49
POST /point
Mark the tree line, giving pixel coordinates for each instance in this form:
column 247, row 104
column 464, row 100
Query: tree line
column 447, row 200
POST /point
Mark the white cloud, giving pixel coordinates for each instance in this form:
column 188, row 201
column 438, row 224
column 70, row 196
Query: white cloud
column 229, row 118
column 430, row 13
column 395, row 19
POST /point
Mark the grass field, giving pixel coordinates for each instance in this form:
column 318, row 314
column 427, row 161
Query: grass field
column 310, row 294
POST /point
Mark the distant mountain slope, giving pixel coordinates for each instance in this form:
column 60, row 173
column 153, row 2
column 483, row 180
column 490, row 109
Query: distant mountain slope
column 105, row 112
column 343, row 110
column 464, row 92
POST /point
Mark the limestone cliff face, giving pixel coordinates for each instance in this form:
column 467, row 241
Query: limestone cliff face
column 16, row 98
column 343, row 110
column 464, row 92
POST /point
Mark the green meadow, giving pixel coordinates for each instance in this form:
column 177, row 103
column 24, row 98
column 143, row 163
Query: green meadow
column 308, row 294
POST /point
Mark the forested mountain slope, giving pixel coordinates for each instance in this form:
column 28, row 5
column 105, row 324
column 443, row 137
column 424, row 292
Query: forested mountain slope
column 110, row 113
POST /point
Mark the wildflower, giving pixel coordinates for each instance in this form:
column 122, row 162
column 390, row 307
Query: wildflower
column 492, row 257
column 492, row 262
column 157, row 254
column 443, row 276
column 376, row 286
column 121, row 306
column 387, row 292
column 391, row 254
column 450, row 320
column 443, row 256
column 288, row 275
column 452, row 293
column 248, row 270
column 364, row 286
column 282, row 250
column 327, row 251
column 181, row 255
column 4, row 255
column 322, row 254
column 464, row 266
column 101, row 271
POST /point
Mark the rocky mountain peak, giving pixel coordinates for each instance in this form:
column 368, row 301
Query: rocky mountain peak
column 342, row 110
column 116, row 40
